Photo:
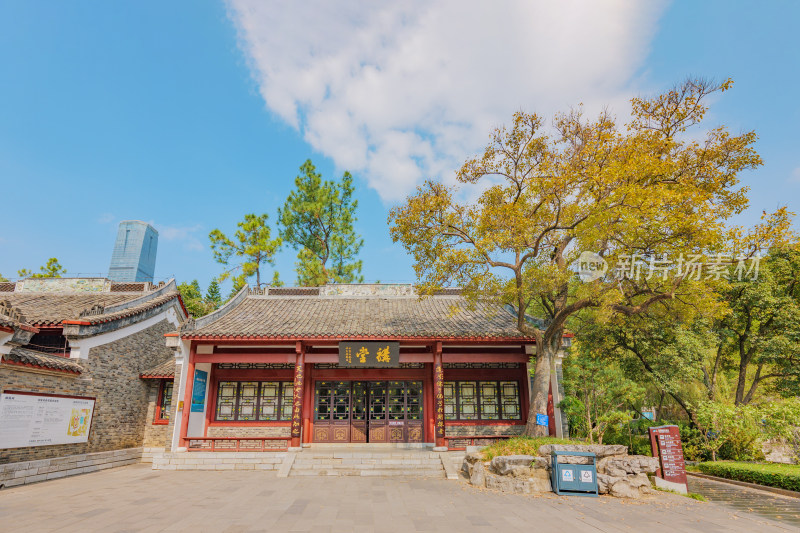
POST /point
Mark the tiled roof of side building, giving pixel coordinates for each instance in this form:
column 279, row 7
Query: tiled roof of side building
column 164, row 370
column 111, row 314
column 26, row 357
column 53, row 308
column 410, row 316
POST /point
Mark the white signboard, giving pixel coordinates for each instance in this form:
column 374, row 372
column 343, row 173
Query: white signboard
column 33, row 420
column 586, row 476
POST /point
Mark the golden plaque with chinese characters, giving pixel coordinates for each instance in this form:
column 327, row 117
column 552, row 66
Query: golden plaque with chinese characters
column 369, row 354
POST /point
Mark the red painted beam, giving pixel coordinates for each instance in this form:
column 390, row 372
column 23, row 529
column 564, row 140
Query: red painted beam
column 484, row 358
column 245, row 358
column 334, row 339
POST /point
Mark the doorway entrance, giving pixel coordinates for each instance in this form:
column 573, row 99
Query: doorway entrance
column 368, row 411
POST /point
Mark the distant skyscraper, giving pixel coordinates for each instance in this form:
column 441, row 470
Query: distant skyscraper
column 134, row 257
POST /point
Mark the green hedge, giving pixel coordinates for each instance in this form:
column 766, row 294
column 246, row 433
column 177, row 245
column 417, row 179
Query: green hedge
column 772, row 475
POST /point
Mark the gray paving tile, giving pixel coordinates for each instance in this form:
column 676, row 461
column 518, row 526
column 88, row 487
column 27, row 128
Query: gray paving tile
column 136, row 498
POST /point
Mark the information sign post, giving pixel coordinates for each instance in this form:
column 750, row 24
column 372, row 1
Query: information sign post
column 665, row 442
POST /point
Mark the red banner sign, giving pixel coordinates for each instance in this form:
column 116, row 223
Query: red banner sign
column 297, row 397
column 438, row 392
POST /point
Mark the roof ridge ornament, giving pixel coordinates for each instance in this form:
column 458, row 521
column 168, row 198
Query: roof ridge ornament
column 187, row 325
column 95, row 310
column 8, row 310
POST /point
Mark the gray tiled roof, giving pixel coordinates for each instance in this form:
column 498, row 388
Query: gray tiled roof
column 43, row 360
column 42, row 308
column 299, row 316
column 164, row 370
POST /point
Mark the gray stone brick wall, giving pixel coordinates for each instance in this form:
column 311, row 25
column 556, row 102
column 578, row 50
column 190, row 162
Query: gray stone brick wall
column 249, row 431
column 470, row 431
column 111, row 375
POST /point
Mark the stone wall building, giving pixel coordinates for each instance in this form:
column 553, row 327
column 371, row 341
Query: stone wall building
column 89, row 339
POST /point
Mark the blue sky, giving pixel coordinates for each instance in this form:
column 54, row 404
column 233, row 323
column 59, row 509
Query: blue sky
column 190, row 114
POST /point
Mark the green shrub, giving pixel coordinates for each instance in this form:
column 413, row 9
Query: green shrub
column 521, row 446
column 770, row 474
column 638, row 444
column 730, row 431
column 694, row 448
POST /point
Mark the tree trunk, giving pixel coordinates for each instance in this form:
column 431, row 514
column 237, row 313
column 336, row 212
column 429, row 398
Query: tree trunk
column 589, row 428
column 545, row 354
column 741, row 381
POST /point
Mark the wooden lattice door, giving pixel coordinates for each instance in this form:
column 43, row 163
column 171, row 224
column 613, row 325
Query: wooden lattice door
column 358, row 412
column 414, row 402
column 377, row 412
column 332, row 411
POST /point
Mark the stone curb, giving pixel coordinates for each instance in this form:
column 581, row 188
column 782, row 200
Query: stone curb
column 25, row 472
column 754, row 486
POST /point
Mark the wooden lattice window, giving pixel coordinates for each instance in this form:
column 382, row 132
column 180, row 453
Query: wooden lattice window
column 490, row 410
column 450, row 406
column 467, row 400
column 250, row 401
column 481, row 400
column 163, row 402
column 509, row 399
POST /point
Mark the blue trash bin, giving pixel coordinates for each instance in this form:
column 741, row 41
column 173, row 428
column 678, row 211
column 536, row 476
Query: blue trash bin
column 576, row 480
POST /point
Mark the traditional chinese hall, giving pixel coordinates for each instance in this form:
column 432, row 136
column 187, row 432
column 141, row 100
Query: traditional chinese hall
column 368, row 364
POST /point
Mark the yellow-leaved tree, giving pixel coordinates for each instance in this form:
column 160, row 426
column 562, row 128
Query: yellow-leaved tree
column 647, row 190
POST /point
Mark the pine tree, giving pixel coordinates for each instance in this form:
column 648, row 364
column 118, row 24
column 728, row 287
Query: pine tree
column 254, row 246
column 213, row 296
column 317, row 220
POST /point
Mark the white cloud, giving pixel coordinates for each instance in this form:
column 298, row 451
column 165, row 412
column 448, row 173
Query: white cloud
column 795, row 177
column 106, row 218
column 402, row 91
column 187, row 235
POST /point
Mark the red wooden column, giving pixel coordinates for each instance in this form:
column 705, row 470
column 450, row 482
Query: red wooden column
column 438, row 395
column 297, row 399
column 187, row 396
column 308, row 403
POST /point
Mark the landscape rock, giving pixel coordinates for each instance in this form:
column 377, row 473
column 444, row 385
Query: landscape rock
column 478, row 475
column 600, row 450
column 473, row 457
column 541, row 462
column 504, row 464
column 635, row 464
column 522, row 471
column 603, row 482
column 508, row 484
column 469, row 461
column 633, row 486
column 540, row 481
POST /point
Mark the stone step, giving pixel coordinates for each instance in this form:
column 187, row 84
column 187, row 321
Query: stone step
column 376, row 472
column 367, row 455
column 357, row 460
column 366, row 467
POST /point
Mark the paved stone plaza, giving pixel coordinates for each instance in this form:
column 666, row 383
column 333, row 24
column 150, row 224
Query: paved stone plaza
column 782, row 508
column 136, row 498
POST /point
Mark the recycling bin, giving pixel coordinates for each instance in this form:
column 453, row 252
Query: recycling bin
column 570, row 479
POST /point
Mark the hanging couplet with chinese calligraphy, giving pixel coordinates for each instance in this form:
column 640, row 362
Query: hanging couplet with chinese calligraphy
column 665, row 442
column 297, row 397
column 438, row 396
column 355, row 354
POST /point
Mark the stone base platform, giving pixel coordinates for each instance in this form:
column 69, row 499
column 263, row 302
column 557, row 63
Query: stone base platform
column 24, row 472
column 219, row 460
